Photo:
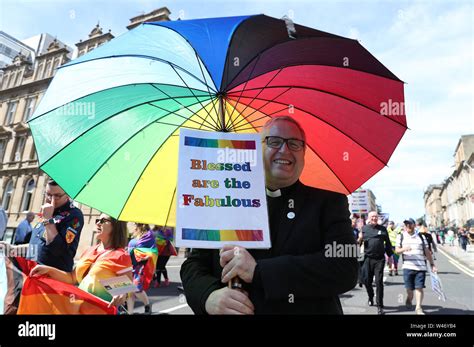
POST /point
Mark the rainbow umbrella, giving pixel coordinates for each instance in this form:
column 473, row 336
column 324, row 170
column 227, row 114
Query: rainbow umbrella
column 107, row 129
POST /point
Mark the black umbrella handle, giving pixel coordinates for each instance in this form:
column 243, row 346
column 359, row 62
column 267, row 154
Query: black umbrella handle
column 235, row 283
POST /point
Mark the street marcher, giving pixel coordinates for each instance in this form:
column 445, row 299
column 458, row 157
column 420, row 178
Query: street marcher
column 392, row 262
column 142, row 248
column 107, row 259
column 376, row 245
column 415, row 251
column 55, row 237
column 463, row 236
column 164, row 243
column 24, row 229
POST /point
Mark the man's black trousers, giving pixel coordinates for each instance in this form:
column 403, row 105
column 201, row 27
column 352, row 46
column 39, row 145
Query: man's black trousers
column 375, row 267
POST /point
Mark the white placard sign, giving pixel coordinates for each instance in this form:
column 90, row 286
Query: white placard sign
column 436, row 285
column 221, row 191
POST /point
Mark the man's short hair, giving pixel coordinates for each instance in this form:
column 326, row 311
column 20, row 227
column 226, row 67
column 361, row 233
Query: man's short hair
column 272, row 121
column 52, row 182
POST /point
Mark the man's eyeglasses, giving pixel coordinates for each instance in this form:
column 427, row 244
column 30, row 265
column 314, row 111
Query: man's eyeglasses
column 54, row 196
column 294, row 145
column 102, row 221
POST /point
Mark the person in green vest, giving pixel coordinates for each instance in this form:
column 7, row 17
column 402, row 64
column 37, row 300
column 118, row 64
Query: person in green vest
column 392, row 263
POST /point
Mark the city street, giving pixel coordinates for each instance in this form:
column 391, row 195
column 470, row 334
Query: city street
column 456, row 276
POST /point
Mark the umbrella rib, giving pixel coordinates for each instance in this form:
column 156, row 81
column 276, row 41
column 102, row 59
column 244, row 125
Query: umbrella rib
column 169, row 208
column 246, row 81
column 260, row 93
column 332, row 126
column 258, row 109
column 210, row 97
column 265, row 116
column 255, row 120
column 104, row 120
column 139, row 177
column 174, row 193
column 315, row 153
column 188, row 87
column 142, row 56
column 176, row 125
column 174, row 112
column 231, row 42
column 123, row 144
column 124, row 85
column 326, row 65
column 296, row 64
column 202, row 72
column 190, row 45
column 232, row 127
column 325, row 163
column 117, row 149
column 329, row 93
column 144, row 169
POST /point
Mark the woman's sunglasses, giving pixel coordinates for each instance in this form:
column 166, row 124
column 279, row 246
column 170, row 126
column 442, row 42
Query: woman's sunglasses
column 102, row 220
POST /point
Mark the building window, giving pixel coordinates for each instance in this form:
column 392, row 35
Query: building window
column 55, row 65
column 18, row 148
column 28, row 195
column 39, row 71
column 3, row 146
column 29, row 108
column 11, row 110
column 33, row 152
column 7, row 195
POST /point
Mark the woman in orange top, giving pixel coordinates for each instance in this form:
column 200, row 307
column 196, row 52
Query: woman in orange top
column 105, row 260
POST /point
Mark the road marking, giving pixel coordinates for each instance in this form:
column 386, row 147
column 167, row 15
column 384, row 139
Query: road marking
column 453, row 261
column 174, row 308
column 462, row 268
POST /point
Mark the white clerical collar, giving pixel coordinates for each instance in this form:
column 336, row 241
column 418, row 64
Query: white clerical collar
column 273, row 194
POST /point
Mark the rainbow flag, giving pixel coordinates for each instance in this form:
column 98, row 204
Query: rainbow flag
column 13, row 273
column 164, row 242
column 148, row 256
column 43, row 295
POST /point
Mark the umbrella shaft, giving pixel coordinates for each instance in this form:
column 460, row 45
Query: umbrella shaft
column 222, row 113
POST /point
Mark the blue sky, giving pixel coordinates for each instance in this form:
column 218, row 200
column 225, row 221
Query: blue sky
column 427, row 44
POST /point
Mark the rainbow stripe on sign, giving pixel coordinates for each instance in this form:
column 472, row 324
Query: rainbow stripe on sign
column 214, row 143
column 222, row 235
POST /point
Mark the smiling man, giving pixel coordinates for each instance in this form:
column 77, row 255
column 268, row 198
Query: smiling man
column 294, row 276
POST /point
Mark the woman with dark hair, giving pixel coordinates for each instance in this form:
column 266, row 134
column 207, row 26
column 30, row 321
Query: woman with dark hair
column 105, row 260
